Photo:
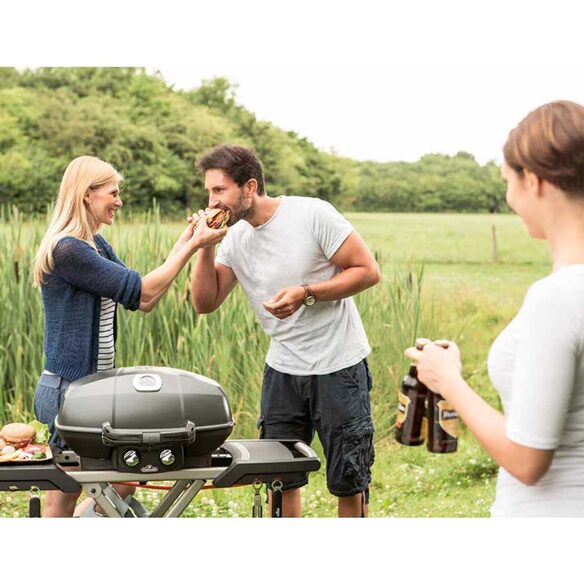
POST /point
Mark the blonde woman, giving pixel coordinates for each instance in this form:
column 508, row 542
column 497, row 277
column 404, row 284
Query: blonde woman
column 537, row 362
column 82, row 281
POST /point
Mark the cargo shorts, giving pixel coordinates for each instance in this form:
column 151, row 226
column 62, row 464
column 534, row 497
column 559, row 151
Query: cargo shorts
column 338, row 408
column 47, row 401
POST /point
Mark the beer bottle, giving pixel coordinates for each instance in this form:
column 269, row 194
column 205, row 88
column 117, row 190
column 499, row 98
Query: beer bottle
column 411, row 424
column 443, row 424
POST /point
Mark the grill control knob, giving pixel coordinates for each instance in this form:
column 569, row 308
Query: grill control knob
column 167, row 457
column 131, row 458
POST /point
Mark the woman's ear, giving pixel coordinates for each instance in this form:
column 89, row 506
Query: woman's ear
column 533, row 182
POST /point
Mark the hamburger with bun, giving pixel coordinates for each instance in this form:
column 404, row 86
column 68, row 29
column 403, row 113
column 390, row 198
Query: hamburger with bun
column 17, row 435
column 216, row 218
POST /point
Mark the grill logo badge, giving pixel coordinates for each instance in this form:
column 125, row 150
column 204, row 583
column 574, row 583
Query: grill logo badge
column 149, row 468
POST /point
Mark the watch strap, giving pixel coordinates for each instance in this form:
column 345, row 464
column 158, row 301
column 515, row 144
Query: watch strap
column 307, row 293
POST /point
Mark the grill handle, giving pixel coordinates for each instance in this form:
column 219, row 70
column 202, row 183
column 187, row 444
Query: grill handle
column 129, row 437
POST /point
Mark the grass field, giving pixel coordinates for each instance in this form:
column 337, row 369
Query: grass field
column 464, row 294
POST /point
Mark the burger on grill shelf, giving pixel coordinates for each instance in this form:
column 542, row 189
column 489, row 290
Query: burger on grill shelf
column 17, row 443
column 17, row 435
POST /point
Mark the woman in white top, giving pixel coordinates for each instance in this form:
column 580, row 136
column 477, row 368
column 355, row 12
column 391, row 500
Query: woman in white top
column 536, row 363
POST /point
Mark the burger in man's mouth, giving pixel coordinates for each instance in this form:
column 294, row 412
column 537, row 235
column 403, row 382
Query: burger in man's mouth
column 217, row 218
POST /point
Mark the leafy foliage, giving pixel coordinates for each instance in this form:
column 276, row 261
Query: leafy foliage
column 153, row 134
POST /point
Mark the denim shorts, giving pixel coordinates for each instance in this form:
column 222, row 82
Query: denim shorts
column 47, row 401
column 338, row 408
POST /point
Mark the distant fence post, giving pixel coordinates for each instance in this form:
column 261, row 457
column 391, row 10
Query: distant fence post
column 494, row 238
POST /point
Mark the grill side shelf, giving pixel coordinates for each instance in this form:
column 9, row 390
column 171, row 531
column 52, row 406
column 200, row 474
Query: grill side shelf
column 46, row 477
column 265, row 460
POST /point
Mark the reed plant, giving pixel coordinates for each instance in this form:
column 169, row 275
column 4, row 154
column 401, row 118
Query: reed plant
column 421, row 294
column 227, row 345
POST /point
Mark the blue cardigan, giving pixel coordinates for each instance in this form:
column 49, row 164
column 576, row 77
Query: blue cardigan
column 72, row 299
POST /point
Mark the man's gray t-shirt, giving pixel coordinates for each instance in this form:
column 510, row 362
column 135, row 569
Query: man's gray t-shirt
column 294, row 247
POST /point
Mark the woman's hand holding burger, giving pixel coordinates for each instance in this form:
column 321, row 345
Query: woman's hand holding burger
column 205, row 235
column 438, row 365
column 207, row 228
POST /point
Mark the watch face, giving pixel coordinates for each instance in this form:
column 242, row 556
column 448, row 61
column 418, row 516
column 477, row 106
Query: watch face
column 310, row 301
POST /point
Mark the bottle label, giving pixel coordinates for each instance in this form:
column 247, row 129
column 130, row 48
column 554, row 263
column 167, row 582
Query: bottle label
column 448, row 418
column 402, row 409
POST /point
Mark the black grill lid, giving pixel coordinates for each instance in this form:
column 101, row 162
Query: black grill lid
column 145, row 399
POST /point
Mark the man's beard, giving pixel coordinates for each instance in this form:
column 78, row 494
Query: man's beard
column 241, row 211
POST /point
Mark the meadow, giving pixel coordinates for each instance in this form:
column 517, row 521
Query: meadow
column 441, row 279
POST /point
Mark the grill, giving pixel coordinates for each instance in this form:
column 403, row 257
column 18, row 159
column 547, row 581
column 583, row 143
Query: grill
column 151, row 424
column 144, row 419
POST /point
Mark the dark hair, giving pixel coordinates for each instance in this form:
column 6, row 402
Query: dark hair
column 238, row 163
column 549, row 142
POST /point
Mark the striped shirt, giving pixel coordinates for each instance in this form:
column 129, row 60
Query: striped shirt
column 106, row 352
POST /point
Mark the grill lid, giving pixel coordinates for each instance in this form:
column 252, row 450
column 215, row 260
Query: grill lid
column 149, row 405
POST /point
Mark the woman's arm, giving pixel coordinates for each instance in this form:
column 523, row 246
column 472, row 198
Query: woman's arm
column 157, row 282
column 545, row 344
column 149, row 306
column 185, row 236
column 486, row 423
column 79, row 264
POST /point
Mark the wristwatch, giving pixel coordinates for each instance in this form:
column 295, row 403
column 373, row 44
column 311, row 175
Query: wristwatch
column 309, row 297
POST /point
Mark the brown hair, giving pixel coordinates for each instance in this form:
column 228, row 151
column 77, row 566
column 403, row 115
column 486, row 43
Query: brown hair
column 549, row 142
column 238, row 163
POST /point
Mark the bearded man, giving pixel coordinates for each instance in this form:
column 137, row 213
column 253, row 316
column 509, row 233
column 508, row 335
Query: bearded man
column 299, row 261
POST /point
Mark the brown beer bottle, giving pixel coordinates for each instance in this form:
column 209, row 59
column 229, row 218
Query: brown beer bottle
column 443, row 424
column 411, row 424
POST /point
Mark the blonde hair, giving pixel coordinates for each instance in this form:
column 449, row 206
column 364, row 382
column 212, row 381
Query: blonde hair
column 70, row 216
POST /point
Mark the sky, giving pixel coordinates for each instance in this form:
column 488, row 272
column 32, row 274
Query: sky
column 393, row 114
column 367, row 80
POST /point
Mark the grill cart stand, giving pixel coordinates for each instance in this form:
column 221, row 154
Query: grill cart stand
column 236, row 462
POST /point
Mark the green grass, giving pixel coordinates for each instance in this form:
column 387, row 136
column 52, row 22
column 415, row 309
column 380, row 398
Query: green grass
column 462, row 294
column 448, row 238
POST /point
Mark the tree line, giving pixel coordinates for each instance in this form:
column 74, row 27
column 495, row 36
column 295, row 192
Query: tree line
column 153, row 133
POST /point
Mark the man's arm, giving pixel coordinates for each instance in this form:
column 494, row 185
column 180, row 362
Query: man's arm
column 359, row 271
column 211, row 282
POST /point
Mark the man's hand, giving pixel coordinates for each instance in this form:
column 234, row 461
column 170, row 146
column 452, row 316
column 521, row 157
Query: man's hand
column 286, row 302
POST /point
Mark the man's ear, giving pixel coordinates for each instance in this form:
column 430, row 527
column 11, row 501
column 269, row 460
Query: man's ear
column 251, row 187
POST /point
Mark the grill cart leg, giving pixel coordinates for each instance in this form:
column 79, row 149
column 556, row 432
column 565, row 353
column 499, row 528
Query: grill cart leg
column 183, row 500
column 108, row 499
column 178, row 498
